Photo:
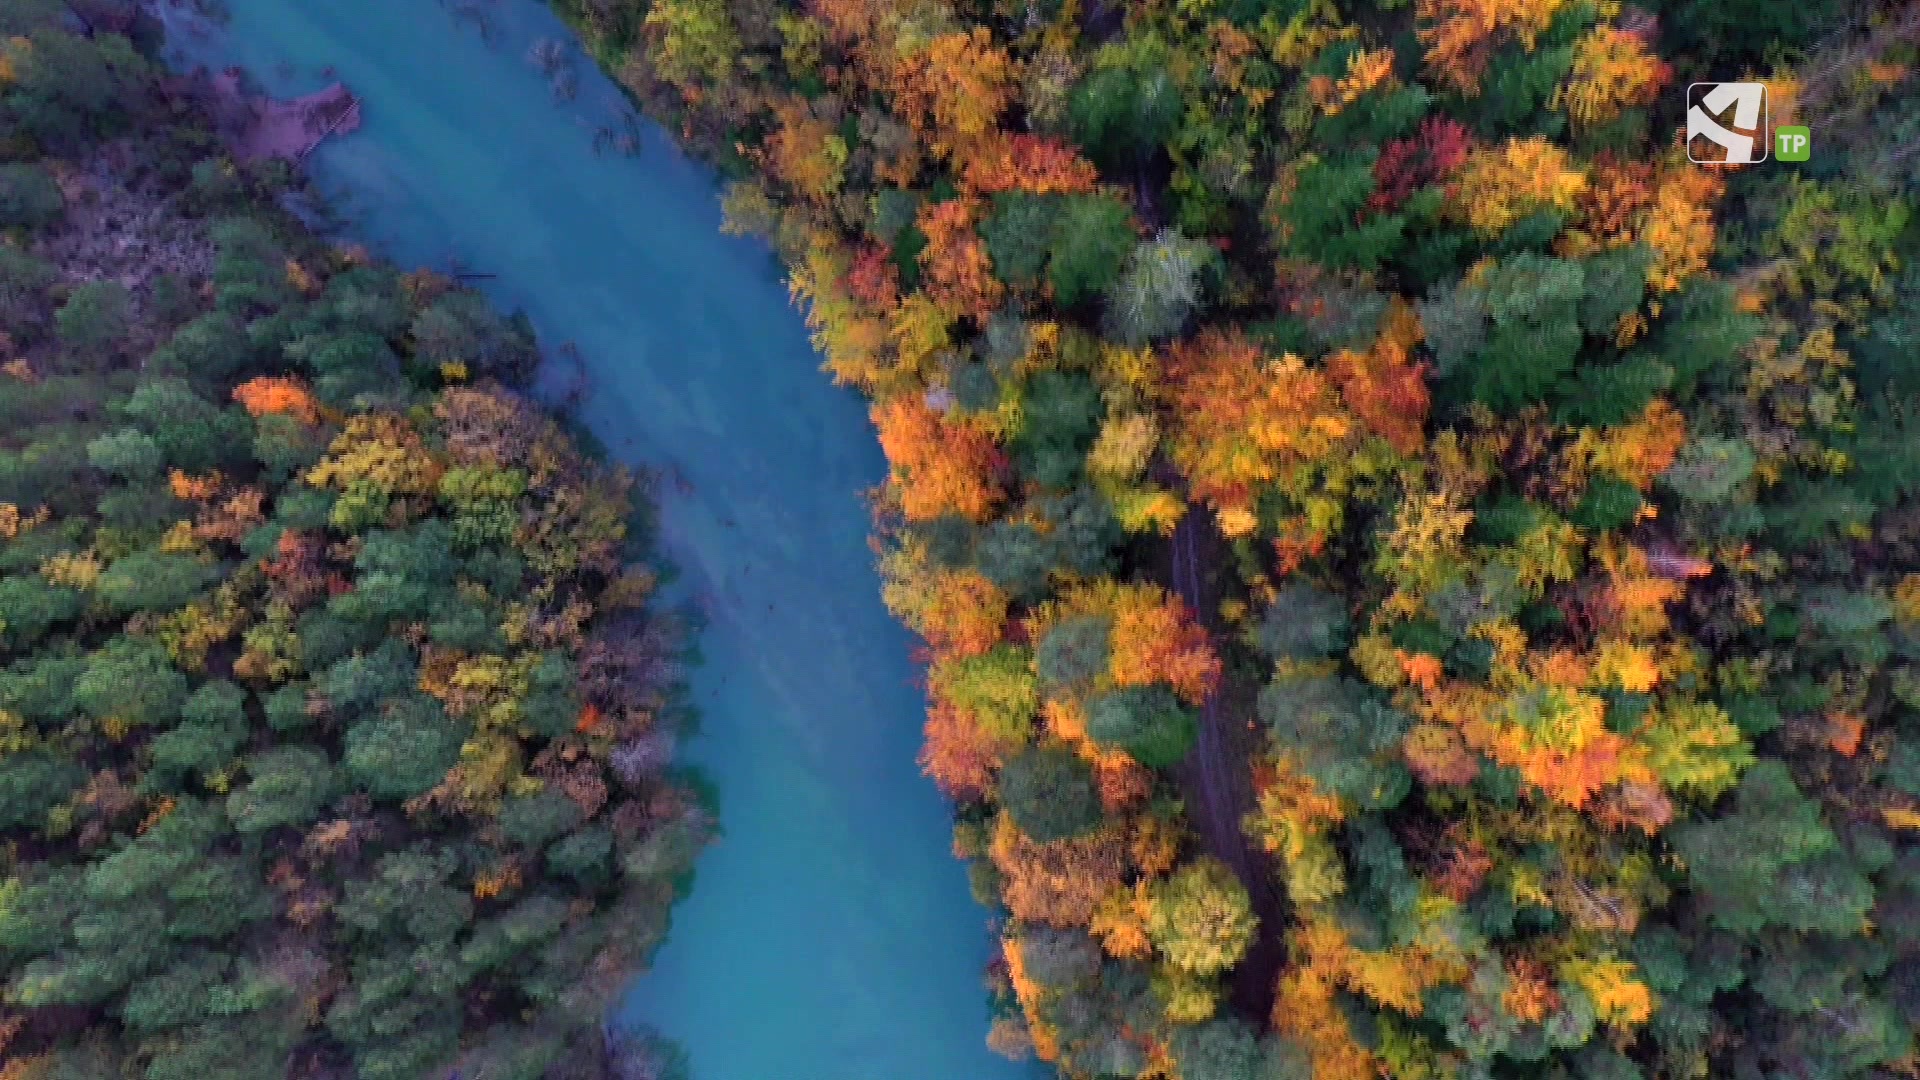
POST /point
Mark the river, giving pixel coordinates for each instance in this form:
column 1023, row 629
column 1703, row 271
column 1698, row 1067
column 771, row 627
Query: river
column 829, row 934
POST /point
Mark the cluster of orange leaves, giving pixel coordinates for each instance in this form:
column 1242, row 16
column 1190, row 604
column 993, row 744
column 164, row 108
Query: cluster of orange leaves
column 1156, row 639
column 1461, row 35
column 1241, row 419
column 804, row 150
column 496, row 881
column 1384, row 386
column 1030, row 163
column 939, row 465
column 959, row 611
column 194, row 488
column 958, row 753
column 958, row 274
column 1669, row 209
column 955, row 88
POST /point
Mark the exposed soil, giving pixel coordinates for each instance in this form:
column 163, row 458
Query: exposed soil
column 256, row 127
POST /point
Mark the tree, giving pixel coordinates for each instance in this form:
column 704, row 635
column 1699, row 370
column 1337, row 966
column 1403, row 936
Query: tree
column 31, row 785
column 1535, row 337
column 404, row 752
column 1771, row 861
column 131, row 682
column 286, row 786
column 127, row 454
column 941, row 465
column 1304, row 622
column 1124, row 111
column 1019, row 235
column 31, row 606
column 194, row 435
column 998, row 689
column 28, row 196
column 1202, row 920
column 95, row 317
column 1158, row 290
column 153, row 581
column 23, row 284
column 1091, row 239
column 693, row 41
column 1049, row 793
column 1219, row 1049
column 1321, row 214
column 1149, row 723
column 1074, row 653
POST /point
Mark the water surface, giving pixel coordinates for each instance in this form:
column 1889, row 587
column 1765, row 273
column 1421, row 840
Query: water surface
column 829, row 935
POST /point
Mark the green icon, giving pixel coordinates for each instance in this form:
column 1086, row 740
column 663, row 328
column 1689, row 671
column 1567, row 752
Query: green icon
column 1792, row 143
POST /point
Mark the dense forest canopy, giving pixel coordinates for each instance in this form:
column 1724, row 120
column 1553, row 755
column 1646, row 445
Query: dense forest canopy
column 1418, row 579
column 336, row 711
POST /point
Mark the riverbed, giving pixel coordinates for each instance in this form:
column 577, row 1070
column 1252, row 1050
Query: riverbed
column 829, row 934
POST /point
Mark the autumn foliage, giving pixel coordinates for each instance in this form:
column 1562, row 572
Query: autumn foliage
column 1361, row 432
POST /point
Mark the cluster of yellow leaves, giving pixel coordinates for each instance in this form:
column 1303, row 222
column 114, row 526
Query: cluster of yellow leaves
column 1500, row 185
column 853, row 340
column 381, row 450
column 76, row 570
column 1199, row 919
column 1290, row 812
column 13, row 522
column 1679, row 225
column 1116, row 464
column 190, row 632
column 1613, row 71
column 1306, row 1007
column 1619, row 998
column 1906, row 599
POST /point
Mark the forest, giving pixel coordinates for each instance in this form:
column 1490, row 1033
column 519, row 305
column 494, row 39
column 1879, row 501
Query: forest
column 337, row 706
column 1416, row 578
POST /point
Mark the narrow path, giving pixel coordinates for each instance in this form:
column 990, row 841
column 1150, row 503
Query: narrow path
column 1217, row 775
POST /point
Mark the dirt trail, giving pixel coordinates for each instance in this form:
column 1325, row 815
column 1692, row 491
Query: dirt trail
column 1217, row 777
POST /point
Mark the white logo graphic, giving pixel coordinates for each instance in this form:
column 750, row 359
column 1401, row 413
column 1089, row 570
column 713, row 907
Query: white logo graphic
column 1742, row 144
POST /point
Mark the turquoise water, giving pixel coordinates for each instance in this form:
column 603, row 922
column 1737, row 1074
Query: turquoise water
column 829, row 935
